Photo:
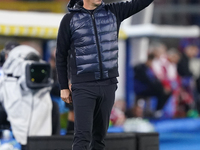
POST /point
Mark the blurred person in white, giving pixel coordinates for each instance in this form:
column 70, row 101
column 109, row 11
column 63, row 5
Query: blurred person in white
column 159, row 50
column 173, row 80
column 3, row 56
column 165, row 64
column 158, row 65
column 24, row 92
column 171, row 76
column 165, row 68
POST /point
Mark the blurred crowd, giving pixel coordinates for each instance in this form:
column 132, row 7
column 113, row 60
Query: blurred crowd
column 167, row 76
column 165, row 85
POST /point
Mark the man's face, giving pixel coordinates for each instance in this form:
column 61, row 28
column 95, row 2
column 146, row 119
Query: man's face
column 94, row 3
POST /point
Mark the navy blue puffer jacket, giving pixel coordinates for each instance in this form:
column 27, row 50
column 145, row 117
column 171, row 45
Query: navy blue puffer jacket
column 90, row 39
column 95, row 41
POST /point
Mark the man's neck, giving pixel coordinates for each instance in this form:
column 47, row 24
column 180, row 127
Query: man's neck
column 89, row 6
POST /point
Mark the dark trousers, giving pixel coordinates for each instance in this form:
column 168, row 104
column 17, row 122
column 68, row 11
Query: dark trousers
column 92, row 107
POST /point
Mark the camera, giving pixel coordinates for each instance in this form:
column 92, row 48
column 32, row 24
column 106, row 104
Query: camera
column 24, row 63
column 25, row 93
column 38, row 75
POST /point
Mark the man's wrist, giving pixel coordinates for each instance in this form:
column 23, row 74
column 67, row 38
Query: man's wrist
column 62, row 87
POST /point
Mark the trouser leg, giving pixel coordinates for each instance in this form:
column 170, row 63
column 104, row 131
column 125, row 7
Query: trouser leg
column 101, row 116
column 84, row 101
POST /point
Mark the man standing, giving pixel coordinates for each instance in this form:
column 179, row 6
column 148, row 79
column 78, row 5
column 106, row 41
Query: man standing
column 88, row 42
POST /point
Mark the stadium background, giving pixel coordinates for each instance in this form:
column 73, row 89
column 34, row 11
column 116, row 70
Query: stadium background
column 181, row 16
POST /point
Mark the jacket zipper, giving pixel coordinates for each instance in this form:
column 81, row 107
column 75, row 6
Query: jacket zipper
column 98, row 47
